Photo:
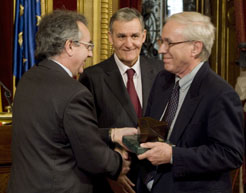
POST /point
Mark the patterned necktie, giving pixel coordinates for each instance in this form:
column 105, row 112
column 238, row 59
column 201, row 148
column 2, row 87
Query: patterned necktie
column 172, row 105
column 132, row 92
column 168, row 117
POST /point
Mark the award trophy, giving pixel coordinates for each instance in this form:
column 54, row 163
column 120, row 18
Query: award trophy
column 151, row 130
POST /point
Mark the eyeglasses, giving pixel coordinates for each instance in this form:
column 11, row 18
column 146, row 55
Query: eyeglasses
column 169, row 44
column 89, row 45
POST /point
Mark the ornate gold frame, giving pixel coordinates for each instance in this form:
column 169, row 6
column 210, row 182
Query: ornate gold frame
column 46, row 6
column 98, row 14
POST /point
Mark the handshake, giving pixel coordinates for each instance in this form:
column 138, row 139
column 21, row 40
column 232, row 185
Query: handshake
column 116, row 135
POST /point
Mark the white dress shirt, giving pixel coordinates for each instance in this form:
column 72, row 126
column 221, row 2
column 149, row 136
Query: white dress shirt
column 136, row 78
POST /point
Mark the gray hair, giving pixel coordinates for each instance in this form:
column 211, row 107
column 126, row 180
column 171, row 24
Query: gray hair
column 54, row 30
column 126, row 14
column 198, row 27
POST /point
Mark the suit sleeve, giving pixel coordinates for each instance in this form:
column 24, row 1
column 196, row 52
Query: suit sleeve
column 91, row 153
column 224, row 148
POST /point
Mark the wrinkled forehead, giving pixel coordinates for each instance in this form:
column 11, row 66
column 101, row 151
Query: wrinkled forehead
column 172, row 28
column 127, row 27
column 123, row 23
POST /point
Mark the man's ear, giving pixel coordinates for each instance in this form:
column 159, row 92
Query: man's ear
column 69, row 47
column 197, row 48
column 144, row 35
column 110, row 38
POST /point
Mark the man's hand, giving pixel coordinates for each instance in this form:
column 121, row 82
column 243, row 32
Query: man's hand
column 126, row 160
column 123, row 181
column 126, row 184
column 118, row 133
column 159, row 153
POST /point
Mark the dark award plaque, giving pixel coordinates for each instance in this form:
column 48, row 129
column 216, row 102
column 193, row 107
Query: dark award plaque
column 151, row 130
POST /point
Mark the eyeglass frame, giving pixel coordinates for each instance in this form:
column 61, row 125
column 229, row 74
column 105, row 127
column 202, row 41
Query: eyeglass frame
column 169, row 44
column 89, row 45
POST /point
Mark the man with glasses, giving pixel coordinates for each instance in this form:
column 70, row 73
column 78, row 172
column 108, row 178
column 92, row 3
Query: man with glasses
column 109, row 81
column 204, row 115
column 56, row 146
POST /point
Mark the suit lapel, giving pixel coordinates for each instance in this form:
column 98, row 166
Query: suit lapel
column 147, row 76
column 115, row 83
column 163, row 92
column 190, row 104
column 186, row 113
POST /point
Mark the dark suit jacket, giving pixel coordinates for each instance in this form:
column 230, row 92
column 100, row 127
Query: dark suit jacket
column 208, row 134
column 56, row 146
column 113, row 104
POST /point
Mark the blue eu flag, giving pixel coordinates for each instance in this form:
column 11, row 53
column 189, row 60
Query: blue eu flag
column 27, row 18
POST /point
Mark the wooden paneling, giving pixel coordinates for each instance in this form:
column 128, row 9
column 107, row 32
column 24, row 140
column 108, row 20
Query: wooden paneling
column 137, row 4
column 6, row 48
column 224, row 53
column 5, row 157
column 4, row 178
column 5, row 142
column 65, row 4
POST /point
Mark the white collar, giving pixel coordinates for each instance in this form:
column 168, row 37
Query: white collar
column 64, row 67
column 123, row 68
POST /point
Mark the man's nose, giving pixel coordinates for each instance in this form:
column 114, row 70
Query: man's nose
column 162, row 49
column 128, row 41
